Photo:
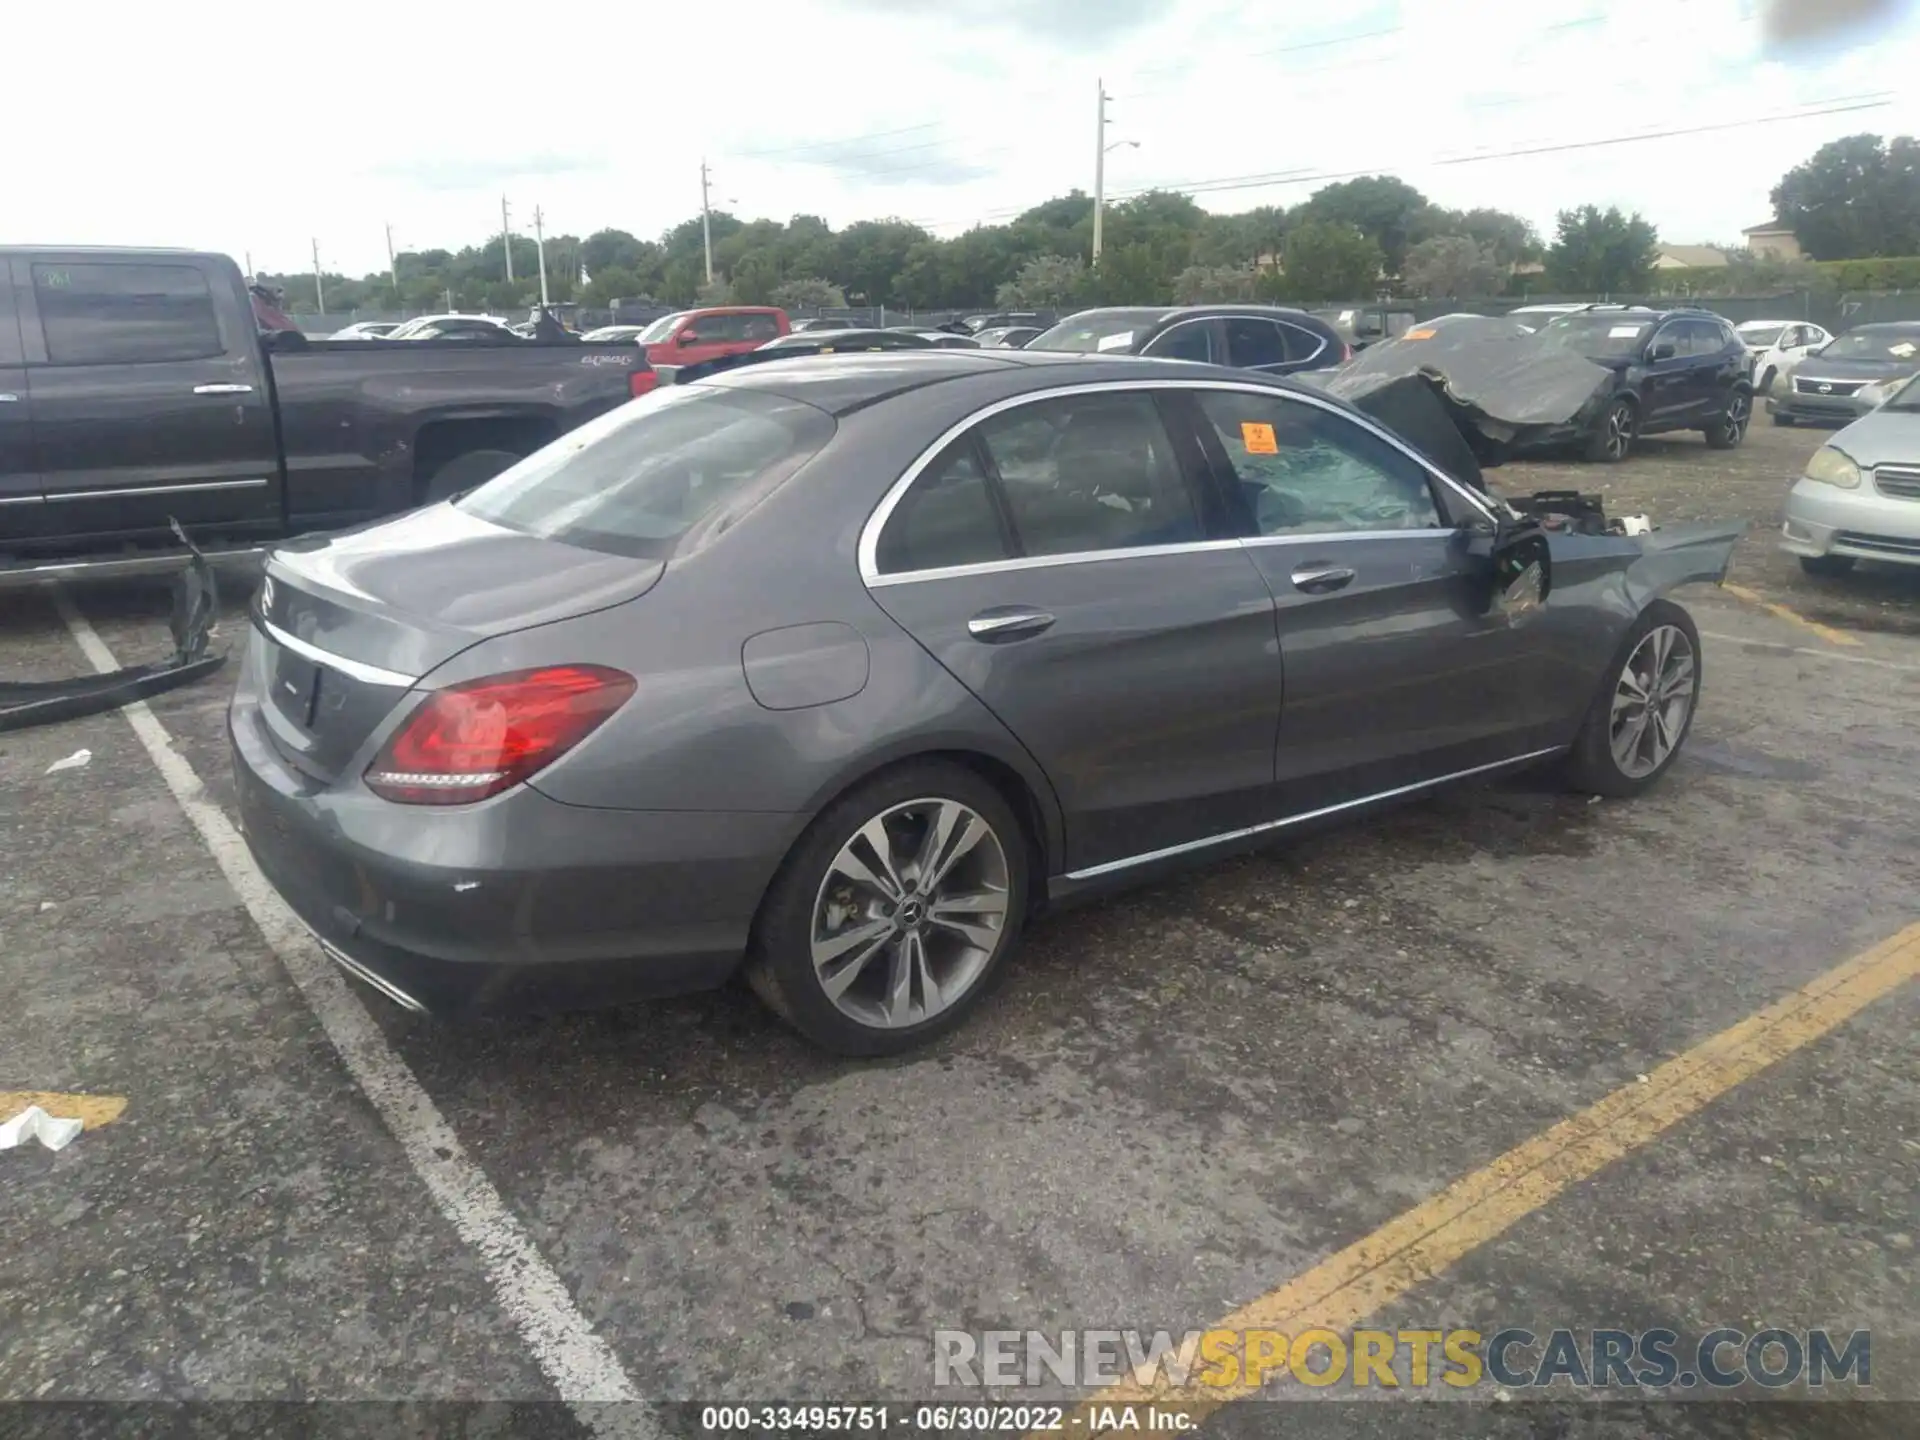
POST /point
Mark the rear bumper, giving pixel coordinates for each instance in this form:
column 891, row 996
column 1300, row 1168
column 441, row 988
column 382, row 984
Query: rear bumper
column 516, row 903
column 1826, row 520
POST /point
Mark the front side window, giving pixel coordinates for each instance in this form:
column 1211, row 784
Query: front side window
column 662, row 329
column 1304, row 471
column 1090, row 472
column 635, row 480
column 125, row 314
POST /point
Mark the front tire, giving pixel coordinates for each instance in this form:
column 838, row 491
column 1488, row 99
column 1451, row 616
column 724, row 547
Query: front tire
column 894, row 914
column 1730, row 428
column 1645, row 707
column 1827, row 565
column 1612, row 437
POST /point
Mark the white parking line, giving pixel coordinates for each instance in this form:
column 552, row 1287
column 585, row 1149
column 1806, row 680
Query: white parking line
column 1809, row 650
column 580, row 1365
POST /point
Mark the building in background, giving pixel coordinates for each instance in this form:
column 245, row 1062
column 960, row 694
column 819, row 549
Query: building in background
column 1773, row 241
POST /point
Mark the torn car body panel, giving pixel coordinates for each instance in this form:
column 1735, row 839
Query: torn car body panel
column 25, row 703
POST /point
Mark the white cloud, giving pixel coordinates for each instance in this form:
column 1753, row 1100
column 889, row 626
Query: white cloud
column 256, row 129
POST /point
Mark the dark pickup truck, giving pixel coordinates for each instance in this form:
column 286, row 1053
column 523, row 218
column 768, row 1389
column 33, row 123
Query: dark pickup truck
column 136, row 389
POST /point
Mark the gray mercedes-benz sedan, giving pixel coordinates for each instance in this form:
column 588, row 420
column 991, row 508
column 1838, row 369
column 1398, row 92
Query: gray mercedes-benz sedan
column 838, row 668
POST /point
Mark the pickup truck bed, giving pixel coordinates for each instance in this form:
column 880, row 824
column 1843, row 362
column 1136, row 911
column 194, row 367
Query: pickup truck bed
column 135, row 390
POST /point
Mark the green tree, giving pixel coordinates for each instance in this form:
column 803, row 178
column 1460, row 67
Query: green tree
column 1854, row 199
column 1510, row 239
column 1384, row 208
column 1326, row 260
column 1596, row 252
column 809, row 292
column 1204, row 284
column 1044, row 282
column 1452, row 267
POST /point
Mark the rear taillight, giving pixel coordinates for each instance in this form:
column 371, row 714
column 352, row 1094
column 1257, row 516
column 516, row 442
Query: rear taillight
column 641, row 382
column 474, row 740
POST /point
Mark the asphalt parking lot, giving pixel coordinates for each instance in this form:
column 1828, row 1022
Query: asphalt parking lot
column 1181, row 1101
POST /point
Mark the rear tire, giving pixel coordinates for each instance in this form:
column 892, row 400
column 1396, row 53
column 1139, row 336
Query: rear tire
column 1644, row 710
column 464, row 472
column 1611, row 439
column 930, row 925
column 1827, row 565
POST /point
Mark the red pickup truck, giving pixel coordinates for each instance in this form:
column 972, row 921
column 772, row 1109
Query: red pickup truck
column 691, row 336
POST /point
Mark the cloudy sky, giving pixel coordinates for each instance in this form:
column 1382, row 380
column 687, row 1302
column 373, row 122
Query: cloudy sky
column 257, row 129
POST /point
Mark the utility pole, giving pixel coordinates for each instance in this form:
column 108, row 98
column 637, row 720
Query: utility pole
column 506, row 236
column 1100, row 167
column 540, row 248
column 319, row 291
column 250, row 275
column 393, row 266
column 706, row 223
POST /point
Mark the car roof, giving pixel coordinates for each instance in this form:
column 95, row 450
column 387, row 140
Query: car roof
column 1891, row 326
column 843, row 383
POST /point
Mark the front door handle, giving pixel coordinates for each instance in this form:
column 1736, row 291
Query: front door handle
column 1008, row 622
column 223, row 389
column 1322, row 579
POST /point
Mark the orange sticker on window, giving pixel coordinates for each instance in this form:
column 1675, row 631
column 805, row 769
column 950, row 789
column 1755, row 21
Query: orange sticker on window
column 1418, row 335
column 1258, row 439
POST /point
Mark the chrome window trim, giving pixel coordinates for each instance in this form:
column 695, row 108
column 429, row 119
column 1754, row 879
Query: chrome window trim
column 869, row 544
column 1110, row 867
column 1319, row 341
column 195, row 487
column 356, row 669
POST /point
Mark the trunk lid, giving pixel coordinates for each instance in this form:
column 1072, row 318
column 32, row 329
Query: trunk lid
column 345, row 624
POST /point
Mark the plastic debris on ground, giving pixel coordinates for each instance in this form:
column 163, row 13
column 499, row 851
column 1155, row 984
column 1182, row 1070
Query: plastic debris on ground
column 33, row 1123
column 72, row 762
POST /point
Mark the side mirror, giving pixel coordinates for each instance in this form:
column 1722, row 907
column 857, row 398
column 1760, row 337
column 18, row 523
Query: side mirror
column 1662, row 351
column 687, row 337
column 1519, row 570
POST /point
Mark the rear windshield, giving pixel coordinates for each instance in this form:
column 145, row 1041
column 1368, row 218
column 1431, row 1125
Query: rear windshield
column 638, row 478
column 1110, row 330
column 1599, row 334
column 1875, row 345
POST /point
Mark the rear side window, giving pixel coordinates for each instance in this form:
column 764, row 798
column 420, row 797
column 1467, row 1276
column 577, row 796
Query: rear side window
column 125, row 314
column 760, row 327
column 637, row 479
column 948, row 518
column 1189, row 340
column 1090, row 472
column 1301, row 344
column 1252, row 344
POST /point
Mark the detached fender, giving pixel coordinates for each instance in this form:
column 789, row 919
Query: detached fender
column 1681, row 555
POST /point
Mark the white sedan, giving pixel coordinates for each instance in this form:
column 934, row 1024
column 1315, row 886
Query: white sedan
column 1777, row 346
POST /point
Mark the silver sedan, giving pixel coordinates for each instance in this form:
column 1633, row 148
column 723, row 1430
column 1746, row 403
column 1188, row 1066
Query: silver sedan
column 1860, row 496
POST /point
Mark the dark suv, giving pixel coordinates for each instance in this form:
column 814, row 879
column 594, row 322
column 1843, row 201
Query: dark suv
column 1673, row 370
column 1248, row 337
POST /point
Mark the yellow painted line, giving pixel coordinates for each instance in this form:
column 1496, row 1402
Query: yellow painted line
column 1369, row 1274
column 1791, row 616
column 91, row 1111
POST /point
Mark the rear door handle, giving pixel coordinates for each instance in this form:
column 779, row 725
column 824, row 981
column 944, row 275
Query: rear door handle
column 1008, row 622
column 223, row 389
column 1322, row 579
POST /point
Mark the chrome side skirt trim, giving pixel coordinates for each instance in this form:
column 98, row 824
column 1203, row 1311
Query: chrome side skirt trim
column 1095, row 871
column 191, row 489
column 357, row 669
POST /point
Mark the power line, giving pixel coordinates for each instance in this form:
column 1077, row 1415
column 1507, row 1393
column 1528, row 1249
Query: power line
column 829, row 144
column 1271, row 179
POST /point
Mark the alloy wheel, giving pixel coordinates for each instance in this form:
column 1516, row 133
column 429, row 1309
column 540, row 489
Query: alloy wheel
column 910, row 913
column 1619, row 432
column 1652, row 701
column 1739, row 412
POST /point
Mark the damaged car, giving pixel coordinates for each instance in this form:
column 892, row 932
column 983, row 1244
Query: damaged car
column 1023, row 627
column 1594, row 379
